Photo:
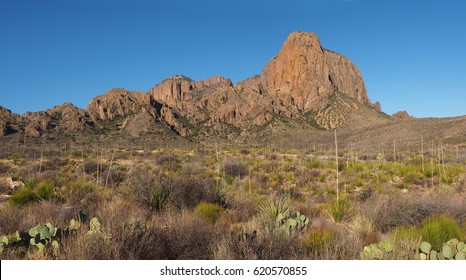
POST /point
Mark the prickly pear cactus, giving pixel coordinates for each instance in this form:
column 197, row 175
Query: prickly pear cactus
column 451, row 250
column 425, row 247
column 290, row 221
column 377, row 251
column 73, row 225
column 96, row 229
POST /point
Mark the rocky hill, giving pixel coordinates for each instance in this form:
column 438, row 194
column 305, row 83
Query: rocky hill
column 305, row 86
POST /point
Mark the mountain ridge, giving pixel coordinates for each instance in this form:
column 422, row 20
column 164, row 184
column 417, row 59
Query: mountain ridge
column 304, row 86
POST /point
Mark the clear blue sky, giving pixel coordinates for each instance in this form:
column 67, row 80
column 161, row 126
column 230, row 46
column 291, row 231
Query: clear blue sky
column 412, row 53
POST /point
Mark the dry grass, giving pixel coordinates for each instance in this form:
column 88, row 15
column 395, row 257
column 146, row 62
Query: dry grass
column 204, row 204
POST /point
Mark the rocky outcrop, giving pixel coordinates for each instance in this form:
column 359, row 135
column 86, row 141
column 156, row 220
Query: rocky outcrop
column 401, row 115
column 9, row 122
column 63, row 119
column 303, row 85
column 304, row 74
column 119, row 102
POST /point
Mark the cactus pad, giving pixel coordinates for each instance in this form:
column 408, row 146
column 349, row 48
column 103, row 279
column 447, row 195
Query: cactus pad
column 460, row 256
column 447, row 252
column 425, row 247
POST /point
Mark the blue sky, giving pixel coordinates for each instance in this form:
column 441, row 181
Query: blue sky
column 412, row 54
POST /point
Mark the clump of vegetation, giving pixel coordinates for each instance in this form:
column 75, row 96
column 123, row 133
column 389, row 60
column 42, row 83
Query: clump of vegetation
column 437, row 229
column 31, row 192
column 212, row 202
column 340, row 209
column 451, row 250
column 210, row 212
column 234, row 169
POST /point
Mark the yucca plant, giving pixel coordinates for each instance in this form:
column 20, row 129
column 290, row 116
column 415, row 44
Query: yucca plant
column 272, row 208
column 339, row 209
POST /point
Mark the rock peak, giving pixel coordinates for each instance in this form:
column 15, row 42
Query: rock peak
column 304, row 75
column 309, row 38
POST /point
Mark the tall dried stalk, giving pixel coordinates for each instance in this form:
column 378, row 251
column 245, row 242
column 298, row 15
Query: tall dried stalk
column 336, row 160
column 109, row 168
column 24, row 142
column 422, row 154
column 41, row 154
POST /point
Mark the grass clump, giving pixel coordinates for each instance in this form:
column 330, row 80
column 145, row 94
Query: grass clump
column 210, row 212
column 318, row 239
column 439, row 229
column 31, row 192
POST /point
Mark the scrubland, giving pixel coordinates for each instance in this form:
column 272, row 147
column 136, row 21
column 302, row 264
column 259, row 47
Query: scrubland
column 220, row 202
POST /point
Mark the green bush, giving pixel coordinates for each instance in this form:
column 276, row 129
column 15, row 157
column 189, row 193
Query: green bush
column 46, row 190
column 31, row 192
column 438, row 229
column 313, row 164
column 318, row 239
column 24, row 196
column 210, row 212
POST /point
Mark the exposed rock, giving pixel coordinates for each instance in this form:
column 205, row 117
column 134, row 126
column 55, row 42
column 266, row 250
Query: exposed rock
column 10, row 184
column 9, row 122
column 401, row 115
column 304, row 74
column 138, row 124
column 378, row 106
column 119, row 102
column 304, row 85
column 69, row 118
column 63, row 119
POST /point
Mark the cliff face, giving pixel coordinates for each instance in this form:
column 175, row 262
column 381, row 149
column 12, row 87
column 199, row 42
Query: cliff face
column 9, row 122
column 303, row 85
column 119, row 102
column 305, row 75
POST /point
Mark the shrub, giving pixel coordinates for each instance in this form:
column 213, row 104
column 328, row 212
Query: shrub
column 406, row 210
column 4, row 168
column 166, row 159
column 244, row 152
column 115, row 177
column 77, row 154
column 413, row 178
column 185, row 236
column 90, row 167
column 210, row 212
column 234, row 169
column 24, row 196
column 318, row 240
column 395, row 211
column 150, row 190
column 405, row 239
column 263, row 244
column 73, row 191
column 45, row 190
column 314, row 164
column 439, row 229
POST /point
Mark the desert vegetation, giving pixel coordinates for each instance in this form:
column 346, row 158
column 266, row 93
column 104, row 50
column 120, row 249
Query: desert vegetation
column 213, row 201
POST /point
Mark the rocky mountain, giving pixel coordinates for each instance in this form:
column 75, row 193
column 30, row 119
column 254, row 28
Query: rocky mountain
column 305, row 86
column 9, row 122
column 401, row 115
